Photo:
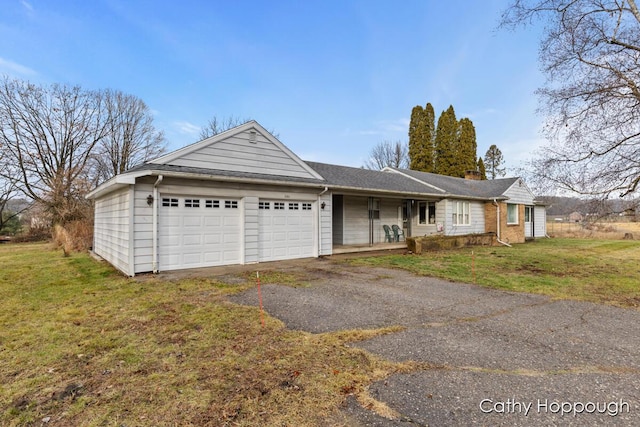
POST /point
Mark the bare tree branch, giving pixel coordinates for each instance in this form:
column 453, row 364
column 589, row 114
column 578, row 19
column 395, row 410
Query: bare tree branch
column 131, row 138
column 49, row 133
column 590, row 53
column 387, row 153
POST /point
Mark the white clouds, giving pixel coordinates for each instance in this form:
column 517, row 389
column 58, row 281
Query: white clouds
column 27, row 5
column 397, row 125
column 10, row 67
column 187, row 128
column 389, row 129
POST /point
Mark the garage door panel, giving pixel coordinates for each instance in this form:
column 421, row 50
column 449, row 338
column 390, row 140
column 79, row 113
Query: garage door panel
column 214, row 257
column 198, row 236
column 192, row 221
column 192, row 240
column 212, row 239
column 212, row 221
column 285, row 233
column 231, row 221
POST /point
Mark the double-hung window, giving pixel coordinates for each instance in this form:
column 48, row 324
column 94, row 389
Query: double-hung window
column 426, row 213
column 512, row 214
column 460, row 214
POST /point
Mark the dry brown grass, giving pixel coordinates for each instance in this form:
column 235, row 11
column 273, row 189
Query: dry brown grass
column 83, row 346
column 76, row 236
column 593, row 230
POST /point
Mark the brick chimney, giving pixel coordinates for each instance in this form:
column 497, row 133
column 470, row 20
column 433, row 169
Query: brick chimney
column 472, row 174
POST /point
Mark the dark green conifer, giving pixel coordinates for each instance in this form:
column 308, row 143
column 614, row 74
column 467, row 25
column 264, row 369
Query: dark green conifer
column 481, row 169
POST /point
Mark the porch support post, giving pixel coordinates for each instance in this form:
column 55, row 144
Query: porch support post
column 409, row 217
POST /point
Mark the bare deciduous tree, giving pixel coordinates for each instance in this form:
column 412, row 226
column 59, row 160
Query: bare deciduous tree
column 218, row 125
column 49, row 134
column 590, row 53
column 8, row 186
column 387, row 153
column 131, row 137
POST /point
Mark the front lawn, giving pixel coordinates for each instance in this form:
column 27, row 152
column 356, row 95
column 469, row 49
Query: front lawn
column 81, row 345
column 592, row 270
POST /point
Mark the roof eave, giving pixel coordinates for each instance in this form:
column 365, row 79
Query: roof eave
column 115, row 183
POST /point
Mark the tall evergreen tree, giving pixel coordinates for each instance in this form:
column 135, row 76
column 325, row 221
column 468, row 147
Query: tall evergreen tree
column 446, row 141
column 415, row 138
column 466, row 147
column 482, row 169
column 493, row 162
column 421, row 135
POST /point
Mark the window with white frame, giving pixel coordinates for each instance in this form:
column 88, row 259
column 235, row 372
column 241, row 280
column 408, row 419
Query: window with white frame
column 460, row 214
column 512, row 213
column 426, row 213
column 191, row 203
column 170, row 203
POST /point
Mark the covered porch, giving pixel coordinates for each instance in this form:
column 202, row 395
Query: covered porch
column 363, row 222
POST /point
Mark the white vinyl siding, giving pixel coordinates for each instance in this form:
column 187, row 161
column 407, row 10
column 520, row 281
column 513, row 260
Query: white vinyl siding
column 540, row 221
column 238, row 154
column 519, row 194
column 476, row 217
column 355, row 219
column 251, row 230
column 142, row 229
column 112, row 229
column 325, row 231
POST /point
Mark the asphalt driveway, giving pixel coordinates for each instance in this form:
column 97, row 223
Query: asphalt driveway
column 498, row 358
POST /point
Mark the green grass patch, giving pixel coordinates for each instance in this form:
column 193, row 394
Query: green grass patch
column 81, row 345
column 591, row 270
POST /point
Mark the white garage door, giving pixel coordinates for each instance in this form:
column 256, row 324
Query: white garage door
column 198, row 232
column 286, row 230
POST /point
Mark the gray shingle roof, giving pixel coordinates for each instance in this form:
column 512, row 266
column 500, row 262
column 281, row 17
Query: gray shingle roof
column 345, row 177
column 356, row 178
column 486, row 189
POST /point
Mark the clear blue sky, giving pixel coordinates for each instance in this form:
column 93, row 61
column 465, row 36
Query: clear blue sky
column 332, row 78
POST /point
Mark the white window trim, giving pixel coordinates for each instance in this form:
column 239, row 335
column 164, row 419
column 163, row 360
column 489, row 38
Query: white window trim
column 426, row 204
column 517, row 212
column 459, row 212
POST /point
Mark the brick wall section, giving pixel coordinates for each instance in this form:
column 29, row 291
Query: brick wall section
column 508, row 233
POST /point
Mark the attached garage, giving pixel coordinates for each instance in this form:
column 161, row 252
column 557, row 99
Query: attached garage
column 242, row 197
column 286, row 230
column 198, row 232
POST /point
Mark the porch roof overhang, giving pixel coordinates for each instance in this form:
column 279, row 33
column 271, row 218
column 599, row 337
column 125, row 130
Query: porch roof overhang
column 409, row 195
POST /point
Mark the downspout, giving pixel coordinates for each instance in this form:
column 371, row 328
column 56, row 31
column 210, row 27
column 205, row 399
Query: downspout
column 498, row 224
column 154, row 232
column 320, row 220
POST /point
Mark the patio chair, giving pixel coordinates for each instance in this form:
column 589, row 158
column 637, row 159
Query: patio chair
column 398, row 233
column 388, row 235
